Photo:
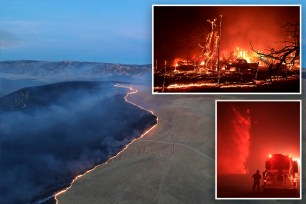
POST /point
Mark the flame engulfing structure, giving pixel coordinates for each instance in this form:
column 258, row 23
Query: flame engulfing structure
column 188, row 32
column 189, row 50
column 210, row 52
column 232, row 159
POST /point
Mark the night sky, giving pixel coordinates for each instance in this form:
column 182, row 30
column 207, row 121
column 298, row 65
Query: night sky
column 178, row 30
column 250, row 131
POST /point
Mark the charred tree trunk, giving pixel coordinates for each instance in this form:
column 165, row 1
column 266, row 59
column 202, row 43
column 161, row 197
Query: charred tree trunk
column 287, row 56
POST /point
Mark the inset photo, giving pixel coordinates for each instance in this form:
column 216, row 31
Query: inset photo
column 258, row 149
column 226, row 49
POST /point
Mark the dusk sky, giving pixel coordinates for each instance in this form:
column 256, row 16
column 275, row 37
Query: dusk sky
column 96, row 30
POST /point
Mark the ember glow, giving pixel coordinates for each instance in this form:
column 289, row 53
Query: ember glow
column 240, row 53
column 221, row 44
column 193, row 85
column 132, row 91
column 180, row 30
column 258, row 135
column 248, row 132
column 179, row 86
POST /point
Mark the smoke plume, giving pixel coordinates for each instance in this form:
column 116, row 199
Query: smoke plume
column 233, row 144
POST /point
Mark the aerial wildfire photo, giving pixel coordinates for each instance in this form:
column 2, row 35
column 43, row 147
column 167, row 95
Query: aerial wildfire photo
column 226, row 49
column 258, row 149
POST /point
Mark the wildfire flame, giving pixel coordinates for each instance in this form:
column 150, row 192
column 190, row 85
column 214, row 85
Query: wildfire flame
column 240, row 53
column 132, row 91
column 192, row 85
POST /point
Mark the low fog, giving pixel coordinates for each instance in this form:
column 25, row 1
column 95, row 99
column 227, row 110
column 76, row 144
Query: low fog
column 22, row 73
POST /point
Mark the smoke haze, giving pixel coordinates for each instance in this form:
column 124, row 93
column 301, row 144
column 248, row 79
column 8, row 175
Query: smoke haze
column 51, row 133
column 232, row 159
column 247, row 132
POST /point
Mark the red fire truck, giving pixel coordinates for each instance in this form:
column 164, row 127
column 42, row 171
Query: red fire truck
column 281, row 174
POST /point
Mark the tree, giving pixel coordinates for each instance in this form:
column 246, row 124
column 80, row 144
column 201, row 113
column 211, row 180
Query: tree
column 289, row 54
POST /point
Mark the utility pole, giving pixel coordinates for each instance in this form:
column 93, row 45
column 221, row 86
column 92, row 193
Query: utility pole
column 155, row 65
column 218, row 59
column 163, row 88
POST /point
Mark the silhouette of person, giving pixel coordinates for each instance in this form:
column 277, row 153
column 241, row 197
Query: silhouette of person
column 256, row 178
column 280, row 176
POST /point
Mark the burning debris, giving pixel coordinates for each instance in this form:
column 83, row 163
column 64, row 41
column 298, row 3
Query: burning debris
column 210, row 52
column 217, row 67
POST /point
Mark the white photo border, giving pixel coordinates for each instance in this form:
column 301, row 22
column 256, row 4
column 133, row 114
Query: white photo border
column 301, row 155
column 225, row 93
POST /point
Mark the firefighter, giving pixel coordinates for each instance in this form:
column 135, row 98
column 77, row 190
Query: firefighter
column 256, row 178
column 280, row 176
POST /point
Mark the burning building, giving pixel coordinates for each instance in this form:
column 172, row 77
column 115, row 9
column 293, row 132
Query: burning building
column 225, row 44
column 210, row 51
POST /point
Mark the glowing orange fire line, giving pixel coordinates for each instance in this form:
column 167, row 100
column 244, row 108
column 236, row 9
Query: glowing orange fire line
column 179, row 86
column 132, row 91
column 192, row 85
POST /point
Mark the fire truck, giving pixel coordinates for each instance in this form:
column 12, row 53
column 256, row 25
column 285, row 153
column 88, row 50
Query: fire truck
column 281, row 174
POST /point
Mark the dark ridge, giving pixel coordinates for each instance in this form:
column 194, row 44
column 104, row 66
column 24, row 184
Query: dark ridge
column 40, row 96
column 304, row 73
